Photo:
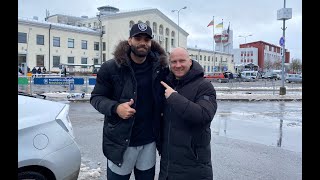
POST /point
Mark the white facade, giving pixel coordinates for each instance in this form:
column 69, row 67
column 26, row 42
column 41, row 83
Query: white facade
column 38, row 54
column 212, row 62
column 114, row 27
column 243, row 56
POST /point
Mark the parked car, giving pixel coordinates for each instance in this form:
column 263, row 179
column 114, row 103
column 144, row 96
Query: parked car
column 249, row 76
column 46, row 143
column 294, row 78
column 217, row 76
column 271, row 75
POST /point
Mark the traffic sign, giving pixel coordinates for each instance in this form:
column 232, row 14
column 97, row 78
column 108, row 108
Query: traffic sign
column 281, row 42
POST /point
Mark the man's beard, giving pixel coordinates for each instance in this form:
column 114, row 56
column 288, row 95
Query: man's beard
column 139, row 53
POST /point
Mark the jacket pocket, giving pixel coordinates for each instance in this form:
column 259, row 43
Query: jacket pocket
column 113, row 121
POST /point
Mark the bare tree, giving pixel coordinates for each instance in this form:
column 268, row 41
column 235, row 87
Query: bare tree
column 268, row 64
column 277, row 64
column 296, row 65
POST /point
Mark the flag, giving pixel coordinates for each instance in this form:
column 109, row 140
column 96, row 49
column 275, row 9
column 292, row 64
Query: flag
column 211, row 23
column 228, row 28
column 220, row 25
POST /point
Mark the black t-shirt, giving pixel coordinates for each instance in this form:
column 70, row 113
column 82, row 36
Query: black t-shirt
column 142, row 131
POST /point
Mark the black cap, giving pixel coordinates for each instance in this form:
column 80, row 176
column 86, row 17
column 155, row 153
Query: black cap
column 141, row 28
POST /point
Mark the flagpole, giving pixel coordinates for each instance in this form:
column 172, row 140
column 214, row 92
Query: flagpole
column 214, row 61
column 221, row 37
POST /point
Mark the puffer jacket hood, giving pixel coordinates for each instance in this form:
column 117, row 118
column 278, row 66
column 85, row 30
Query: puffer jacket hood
column 123, row 49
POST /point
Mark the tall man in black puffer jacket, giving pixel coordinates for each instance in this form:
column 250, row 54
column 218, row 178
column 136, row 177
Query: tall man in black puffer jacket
column 189, row 109
column 129, row 93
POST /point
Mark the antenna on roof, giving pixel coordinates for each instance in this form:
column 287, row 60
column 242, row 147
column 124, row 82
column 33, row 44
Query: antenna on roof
column 47, row 15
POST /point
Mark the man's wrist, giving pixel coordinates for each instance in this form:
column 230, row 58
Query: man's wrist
column 114, row 108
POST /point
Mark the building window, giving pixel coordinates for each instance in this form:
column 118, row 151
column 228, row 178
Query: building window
column 131, row 23
column 84, row 44
column 40, row 39
column 172, row 34
column 71, row 60
column 56, row 41
column 84, row 61
column 95, row 61
column 40, row 60
column 200, row 57
column 103, row 46
column 154, row 27
column 22, row 37
column 205, row 58
column 103, row 57
column 167, row 31
column 148, row 23
column 96, row 46
column 70, row 43
column 56, row 61
column 161, row 29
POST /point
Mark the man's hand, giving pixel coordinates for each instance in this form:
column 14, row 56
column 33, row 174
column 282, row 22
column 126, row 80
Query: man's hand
column 168, row 90
column 125, row 111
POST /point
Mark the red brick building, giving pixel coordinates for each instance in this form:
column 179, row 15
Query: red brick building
column 267, row 51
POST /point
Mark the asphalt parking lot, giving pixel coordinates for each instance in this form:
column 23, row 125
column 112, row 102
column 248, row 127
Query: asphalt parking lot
column 245, row 143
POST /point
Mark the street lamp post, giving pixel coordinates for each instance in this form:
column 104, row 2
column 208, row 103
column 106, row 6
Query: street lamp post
column 245, row 41
column 178, row 21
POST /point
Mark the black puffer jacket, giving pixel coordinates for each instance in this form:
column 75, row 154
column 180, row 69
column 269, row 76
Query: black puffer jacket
column 186, row 149
column 116, row 84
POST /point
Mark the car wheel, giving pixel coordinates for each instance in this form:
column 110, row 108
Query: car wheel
column 31, row 175
column 68, row 96
column 82, row 95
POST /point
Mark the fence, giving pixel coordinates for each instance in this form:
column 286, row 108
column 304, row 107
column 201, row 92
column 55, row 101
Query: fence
column 46, row 84
column 84, row 84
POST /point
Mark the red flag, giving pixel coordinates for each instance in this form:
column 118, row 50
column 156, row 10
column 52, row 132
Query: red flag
column 211, row 23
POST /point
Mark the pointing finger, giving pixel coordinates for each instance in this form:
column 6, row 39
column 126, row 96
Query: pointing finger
column 165, row 85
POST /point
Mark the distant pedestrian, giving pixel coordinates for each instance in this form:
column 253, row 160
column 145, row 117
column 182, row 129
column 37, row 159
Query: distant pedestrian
column 231, row 76
column 39, row 70
column 34, row 70
column 44, row 70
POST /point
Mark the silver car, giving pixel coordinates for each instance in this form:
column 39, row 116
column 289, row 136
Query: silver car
column 294, row 78
column 46, row 144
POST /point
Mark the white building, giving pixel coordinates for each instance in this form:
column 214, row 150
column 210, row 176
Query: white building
column 67, row 39
column 244, row 56
column 212, row 62
column 81, row 40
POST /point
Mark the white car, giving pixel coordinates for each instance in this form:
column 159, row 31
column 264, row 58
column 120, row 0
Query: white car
column 46, row 143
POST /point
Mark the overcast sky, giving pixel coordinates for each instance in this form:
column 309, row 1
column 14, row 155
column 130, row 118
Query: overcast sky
column 256, row 17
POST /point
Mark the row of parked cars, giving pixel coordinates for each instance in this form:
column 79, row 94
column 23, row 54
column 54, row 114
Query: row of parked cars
column 250, row 76
column 46, row 144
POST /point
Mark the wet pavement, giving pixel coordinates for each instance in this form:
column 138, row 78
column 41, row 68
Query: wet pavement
column 250, row 140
